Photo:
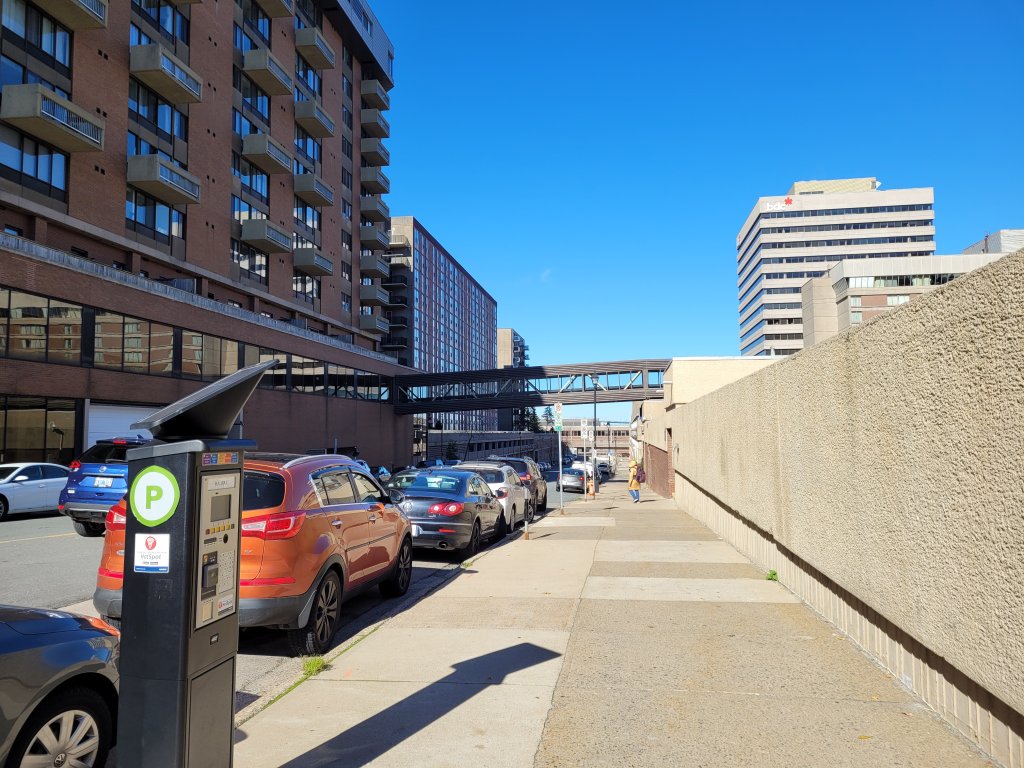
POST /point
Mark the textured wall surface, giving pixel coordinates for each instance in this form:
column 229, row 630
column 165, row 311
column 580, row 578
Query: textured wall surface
column 891, row 459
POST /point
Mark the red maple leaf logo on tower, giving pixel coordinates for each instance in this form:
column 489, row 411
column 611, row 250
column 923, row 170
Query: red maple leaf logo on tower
column 788, row 201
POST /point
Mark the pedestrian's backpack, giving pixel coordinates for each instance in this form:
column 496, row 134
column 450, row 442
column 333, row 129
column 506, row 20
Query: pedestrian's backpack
column 641, row 476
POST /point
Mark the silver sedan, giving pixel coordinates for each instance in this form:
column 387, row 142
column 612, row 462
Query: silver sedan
column 27, row 487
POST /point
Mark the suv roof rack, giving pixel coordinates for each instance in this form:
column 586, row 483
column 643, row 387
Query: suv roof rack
column 318, row 457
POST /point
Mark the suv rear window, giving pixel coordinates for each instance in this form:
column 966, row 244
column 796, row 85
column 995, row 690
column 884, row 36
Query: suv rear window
column 518, row 465
column 105, row 453
column 261, row 490
column 492, row 475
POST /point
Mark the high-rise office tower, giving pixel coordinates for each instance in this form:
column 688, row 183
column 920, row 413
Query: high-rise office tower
column 788, row 239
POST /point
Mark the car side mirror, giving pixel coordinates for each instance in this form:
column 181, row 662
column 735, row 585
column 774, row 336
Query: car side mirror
column 501, row 493
column 396, row 496
column 20, row 479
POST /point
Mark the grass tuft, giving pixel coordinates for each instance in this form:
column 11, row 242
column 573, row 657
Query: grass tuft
column 772, row 575
column 313, row 665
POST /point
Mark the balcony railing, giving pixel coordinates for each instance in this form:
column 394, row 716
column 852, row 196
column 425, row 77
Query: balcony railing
column 398, row 301
column 396, row 281
column 267, row 72
column 314, row 48
column 159, row 69
column 314, row 119
column 374, row 239
column 276, row 8
column 266, row 153
column 163, row 180
column 374, row 94
column 312, row 262
column 374, row 266
column 266, row 236
column 398, row 240
column 37, row 110
column 373, row 295
column 374, row 124
column 398, row 321
column 312, row 189
column 374, row 209
column 77, row 14
column 374, row 152
column 373, row 324
column 374, row 180
column 394, row 342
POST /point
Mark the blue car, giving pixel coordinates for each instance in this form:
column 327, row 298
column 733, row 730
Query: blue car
column 98, row 480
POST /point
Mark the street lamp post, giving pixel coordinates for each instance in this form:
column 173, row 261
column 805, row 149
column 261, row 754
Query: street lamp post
column 597, row 474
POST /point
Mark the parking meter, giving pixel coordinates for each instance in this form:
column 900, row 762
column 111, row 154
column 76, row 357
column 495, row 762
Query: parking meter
column 179, row 616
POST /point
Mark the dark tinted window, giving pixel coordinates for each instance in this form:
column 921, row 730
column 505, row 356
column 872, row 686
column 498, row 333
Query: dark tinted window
column 401, row 481
column 261, row 490
column 492, row 475
column 53, row 473
column 518, row 465
column 338, row 488
column 105, row 453
column 367, row 491
column 6, row 472
column 32, row 472
column 437, row 483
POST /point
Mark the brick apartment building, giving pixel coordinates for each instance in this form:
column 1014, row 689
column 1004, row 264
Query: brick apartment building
column 186, row 188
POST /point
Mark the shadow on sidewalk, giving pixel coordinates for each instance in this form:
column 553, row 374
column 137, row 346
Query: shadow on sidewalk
column 375, row 736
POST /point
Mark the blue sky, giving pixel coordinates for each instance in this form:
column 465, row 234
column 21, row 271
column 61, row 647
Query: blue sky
column 590, row 162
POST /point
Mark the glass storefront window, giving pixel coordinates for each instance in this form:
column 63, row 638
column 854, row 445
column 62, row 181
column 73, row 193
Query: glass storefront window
column 27, row 327
column 26, row 425
column 307, row 375
column 136, row 345
column 276, row 378
column 341, row 381
column 212, row 362
column 229, row 356
column 108, row 350
column 191, row 354
column 161, row 349
column 65, row 333
column 60, row 431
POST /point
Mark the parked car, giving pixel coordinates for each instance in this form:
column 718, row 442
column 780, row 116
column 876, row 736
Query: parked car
column 28, row 487
column 98, row 478
column 316, row 530
column 383, row 474
column 574, row 480
column 58, row 690
column 450, row 509
column 531, row 475
column 509, row 489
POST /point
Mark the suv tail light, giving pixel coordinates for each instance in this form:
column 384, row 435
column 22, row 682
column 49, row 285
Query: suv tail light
column 279, row 525
column 525, row 476
column 76, row 464
column 115, row 519
column 448, row 510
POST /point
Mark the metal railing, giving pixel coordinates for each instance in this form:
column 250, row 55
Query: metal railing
column 278, row 236
column 57, row 111
column 175, row 179
column 278, row 71
column 59, row 258
column 96, row 8
column 277, row 153
column 171, row 67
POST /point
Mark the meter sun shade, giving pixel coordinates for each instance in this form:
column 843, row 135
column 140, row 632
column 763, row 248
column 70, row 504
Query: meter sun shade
column 209, row 413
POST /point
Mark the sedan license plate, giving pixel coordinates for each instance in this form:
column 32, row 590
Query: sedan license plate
column 103, row 482
column 416, row 530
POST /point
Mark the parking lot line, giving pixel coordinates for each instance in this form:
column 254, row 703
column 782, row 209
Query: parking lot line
column 36, row 538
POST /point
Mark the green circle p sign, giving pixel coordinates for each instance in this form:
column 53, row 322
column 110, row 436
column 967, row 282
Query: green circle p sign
column 154, row 496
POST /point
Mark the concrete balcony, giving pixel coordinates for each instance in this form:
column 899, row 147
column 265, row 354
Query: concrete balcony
column 37, row 110
column 311, row 188
column 314, row 119
column 312, row 262
column 374, row 324
column 398, row 321
column 374, row 266
column 374, row 124
column 374, row 239
column 398, row 241
column 375, row 94
column 163, row 180
column 266, row 236
column 374, row 180
column 77, row 14
column 276, row 9
column 373, row 296
column 313, row 47
column 374, row 152
column 161, row 70
column 394, row 342
column 267, row 72
column 374, row 209
column 395, row 282
column 398, row 301
column 267, row 154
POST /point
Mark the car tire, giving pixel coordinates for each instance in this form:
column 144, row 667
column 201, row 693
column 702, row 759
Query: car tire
column 89, row 530
column 473, row 546
column 544, row 506
column 4, row 507
column 531, row 511
column 315, row 638
column 398, row 581
column 500, row 527
column 92, row 719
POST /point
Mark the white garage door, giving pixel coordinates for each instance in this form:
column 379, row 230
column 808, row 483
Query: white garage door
column 106, row 421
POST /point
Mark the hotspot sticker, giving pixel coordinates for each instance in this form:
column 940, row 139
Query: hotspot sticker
column 154, row 496
column 152, row 552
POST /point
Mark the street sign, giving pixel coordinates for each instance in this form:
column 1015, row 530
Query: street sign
column 558, row 427
column 584, row 423
column 558, row 410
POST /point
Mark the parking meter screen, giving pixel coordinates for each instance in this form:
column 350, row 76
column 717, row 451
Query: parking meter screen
column 220, row 508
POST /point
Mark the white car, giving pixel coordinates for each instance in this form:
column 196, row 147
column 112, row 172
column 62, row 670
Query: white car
column 31, row 487
column 506, row 485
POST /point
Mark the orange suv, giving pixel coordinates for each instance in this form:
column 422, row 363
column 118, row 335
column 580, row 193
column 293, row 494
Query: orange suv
column 316, row 530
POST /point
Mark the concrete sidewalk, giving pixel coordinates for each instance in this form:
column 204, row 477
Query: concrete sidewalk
column 620, row 634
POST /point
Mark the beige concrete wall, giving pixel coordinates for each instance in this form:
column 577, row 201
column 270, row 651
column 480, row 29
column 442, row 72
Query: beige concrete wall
column 889, row 459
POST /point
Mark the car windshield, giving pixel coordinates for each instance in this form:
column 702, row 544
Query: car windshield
column 491, row 475
column 7, row 470
column 576, row 472
column 105, row 453
column 434, row 483
column 262, row 490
